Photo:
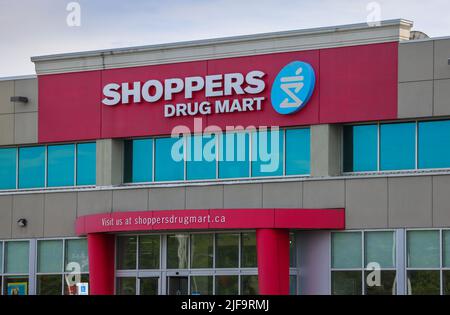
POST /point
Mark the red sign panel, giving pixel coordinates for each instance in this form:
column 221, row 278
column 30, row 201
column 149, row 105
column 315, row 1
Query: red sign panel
column 211, row 219
column 356, row 83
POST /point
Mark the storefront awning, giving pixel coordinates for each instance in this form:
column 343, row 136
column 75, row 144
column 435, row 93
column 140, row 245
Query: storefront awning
column 209, row 219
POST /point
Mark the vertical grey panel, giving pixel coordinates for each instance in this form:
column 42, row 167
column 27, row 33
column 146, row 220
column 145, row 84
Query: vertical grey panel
column 314, row 262
column 400, row 261
column 32, row 267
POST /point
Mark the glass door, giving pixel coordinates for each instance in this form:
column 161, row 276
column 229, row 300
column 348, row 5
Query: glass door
column 177, row 285
column 149, row 286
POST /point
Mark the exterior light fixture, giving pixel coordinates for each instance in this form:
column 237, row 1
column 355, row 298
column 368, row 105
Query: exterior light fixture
column 448, row 61
column 19, row 99
column 22, row 222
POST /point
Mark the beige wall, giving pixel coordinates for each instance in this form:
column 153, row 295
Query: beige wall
column 384, row 202
column 18, row 122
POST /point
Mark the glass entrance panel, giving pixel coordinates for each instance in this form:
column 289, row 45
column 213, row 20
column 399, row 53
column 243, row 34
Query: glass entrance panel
column 177, row 285
column 149, row 286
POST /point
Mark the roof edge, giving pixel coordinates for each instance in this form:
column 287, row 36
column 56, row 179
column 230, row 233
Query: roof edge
column 220, row 40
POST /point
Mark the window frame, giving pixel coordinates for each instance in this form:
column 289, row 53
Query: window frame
column 363, row 267
column 441, row 267
column 62, row 273
column 46, row 187
column 164, row 272
column 217, row 179
column 378, row 171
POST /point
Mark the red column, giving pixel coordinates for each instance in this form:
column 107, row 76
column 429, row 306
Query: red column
column 272, row 246
column 101, row 263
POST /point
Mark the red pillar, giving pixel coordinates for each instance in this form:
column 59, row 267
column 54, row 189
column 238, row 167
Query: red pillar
column 272, row 246
column 101, row 263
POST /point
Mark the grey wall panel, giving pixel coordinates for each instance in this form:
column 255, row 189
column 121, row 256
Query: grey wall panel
column 167, row 198
column 415, row 99
column 29, row 89
column 5, row 216
column 410, row 201
column 325, row 150
column 31, row 208
column 204, row 197
column 283, row 195
column 415, row 61
column 441, row 56
column 366, row 203
column 91, row 202
column 6, row 129
column 109, row 162
column 324, row 194
column 60, row 214
column 441, row 105
column 243, row 196
column 25, row 128
column 6, row 91
column 314, row 247
column 441, row 201
column 130, row 200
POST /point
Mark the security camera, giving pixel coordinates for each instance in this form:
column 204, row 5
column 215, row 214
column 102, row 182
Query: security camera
column 22, row 222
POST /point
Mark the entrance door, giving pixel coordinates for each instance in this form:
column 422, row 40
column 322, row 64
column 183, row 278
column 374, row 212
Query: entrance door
column 177, row 285
column 149, row 286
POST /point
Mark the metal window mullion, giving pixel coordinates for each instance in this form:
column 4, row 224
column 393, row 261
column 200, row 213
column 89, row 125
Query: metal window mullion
column 63, row 265
column 136, row 275
column 17, row 169
column 3, row 268
column 416, row 151
column 32, row 267
column 46, row 167
column 441, row 263
column 240, row 250
column 153, row 158
column 250, row 153
column 217, row 140
column 75, row 165
column 378, row 146
column 185, row 140
column 363, row 262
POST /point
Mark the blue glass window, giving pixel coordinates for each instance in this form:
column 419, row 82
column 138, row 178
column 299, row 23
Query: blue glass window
column 434, row 144
column 234, row 155
column 360, row 148
column 86, row 164
column 32, row 167
column 298, row 155
column 398, row 146
column 201, row 153
column 61, row 165
column 8, row 164
column 267, row 153
column 138, row 160
column 169, row 161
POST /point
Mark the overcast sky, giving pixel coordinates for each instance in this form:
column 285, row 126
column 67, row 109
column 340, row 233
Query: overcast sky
column 39, row 27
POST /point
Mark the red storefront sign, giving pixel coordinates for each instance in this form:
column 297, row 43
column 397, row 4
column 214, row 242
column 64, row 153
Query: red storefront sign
column 357, row 83
column 211, row 219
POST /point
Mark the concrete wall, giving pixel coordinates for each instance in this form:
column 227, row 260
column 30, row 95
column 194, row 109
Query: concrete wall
column 18, row 122
column 424, row 78
column 386, row 202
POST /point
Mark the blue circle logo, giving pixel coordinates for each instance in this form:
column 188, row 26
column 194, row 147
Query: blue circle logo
column 293, row 87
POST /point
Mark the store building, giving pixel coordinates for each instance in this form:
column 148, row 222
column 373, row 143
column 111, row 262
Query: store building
column 347, row 193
